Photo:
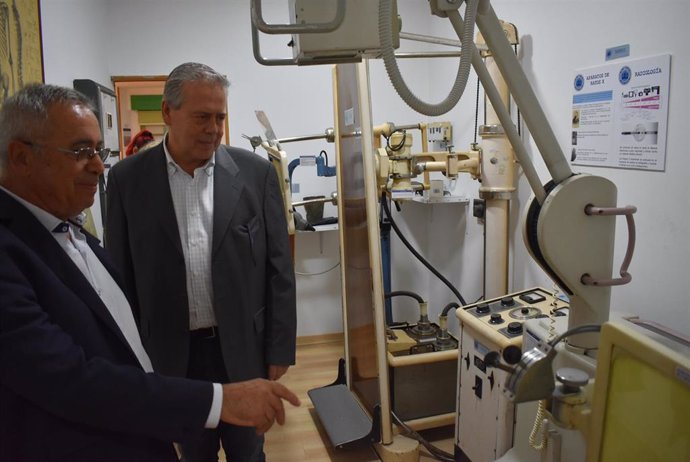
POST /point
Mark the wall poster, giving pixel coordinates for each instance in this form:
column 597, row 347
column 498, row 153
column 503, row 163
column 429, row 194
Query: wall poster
column 620, row 114
column 21, row 57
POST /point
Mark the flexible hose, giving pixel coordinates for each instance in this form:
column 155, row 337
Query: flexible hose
column 400, row 235
column 405, row 293
column 449, row 307
column 436, row 452
column 388, row 54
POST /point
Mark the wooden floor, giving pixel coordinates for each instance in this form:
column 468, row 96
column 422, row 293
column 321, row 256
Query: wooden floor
column 302, row 438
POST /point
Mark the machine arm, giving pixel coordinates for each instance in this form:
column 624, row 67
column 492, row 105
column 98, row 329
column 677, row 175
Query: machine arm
column 521, row 90
column 572, row 246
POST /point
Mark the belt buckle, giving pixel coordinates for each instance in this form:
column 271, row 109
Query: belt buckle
column 213, row 333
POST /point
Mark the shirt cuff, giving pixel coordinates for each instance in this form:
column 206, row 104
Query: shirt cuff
column 216, row 405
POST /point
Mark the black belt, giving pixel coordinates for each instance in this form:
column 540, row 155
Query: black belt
column 206, row 333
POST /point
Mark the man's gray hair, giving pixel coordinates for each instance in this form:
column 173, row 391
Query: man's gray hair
column 24, row 115
column 189, row 72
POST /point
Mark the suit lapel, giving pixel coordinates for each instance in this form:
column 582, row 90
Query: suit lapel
column 159, row 196
column 227, row 189
column 26, row 227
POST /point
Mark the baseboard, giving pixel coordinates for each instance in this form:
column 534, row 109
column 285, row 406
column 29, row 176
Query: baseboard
column 321, row 338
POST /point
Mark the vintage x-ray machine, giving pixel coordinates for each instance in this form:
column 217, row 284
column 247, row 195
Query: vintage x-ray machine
column 579, row 209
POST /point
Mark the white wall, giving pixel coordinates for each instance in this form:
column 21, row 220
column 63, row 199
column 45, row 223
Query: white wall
column 558, row 37
column 564, row 36
column 75, row 37
column 97, row 39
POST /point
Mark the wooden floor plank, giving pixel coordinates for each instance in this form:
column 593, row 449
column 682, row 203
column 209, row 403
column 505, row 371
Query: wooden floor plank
column 302, row 438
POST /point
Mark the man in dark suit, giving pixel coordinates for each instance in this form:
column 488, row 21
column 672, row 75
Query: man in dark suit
column 198, row 230
column 75, row 381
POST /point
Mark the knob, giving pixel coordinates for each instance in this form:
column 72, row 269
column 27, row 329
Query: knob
column 507, row 301
column 492, row 359
column 512, row 354
column 483, row 308
column 572, row 379
column 524, row 310
column 514, row 328
column 496, row 318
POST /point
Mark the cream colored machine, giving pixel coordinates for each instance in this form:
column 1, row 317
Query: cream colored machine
column 485, row 420
column 632, row 403
column 569, row 225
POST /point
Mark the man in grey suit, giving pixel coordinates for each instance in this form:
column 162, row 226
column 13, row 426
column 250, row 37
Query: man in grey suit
column 198, row 231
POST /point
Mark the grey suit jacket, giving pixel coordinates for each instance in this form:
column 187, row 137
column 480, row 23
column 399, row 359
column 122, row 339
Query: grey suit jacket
column 252, row 272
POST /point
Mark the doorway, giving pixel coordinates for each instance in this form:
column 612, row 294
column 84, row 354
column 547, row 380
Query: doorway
column 139, row 107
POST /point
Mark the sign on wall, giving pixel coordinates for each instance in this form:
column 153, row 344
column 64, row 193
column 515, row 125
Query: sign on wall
column 620, row 114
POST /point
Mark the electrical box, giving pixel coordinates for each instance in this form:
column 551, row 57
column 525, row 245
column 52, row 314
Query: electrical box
column 105, row 103
column 422, row 377
column 356, row 38
column 103, row 99
column 439, row 135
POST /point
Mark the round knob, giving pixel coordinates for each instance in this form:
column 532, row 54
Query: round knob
column 496, row 318
column 492, row 359
column 512, row 354
column 515, row 328
column 483, row 308
column 524, row 310
column 572, row 379
column 507, row 301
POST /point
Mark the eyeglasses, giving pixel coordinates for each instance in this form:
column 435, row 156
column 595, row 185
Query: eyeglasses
column 79, row 153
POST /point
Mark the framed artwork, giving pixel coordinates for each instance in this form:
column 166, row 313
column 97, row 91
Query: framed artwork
column 21, row 55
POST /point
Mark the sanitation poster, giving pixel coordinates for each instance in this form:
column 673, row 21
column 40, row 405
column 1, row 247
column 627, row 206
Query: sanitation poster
column 620, row 113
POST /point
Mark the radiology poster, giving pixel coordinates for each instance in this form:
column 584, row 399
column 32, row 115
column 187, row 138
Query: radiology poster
column 620, row 114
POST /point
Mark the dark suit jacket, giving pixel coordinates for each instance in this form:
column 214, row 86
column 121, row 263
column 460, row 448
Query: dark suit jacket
column 252, row 273
column 71, row 388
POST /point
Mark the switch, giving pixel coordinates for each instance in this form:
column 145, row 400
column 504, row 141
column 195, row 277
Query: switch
column 532, row 297
column 477, row 386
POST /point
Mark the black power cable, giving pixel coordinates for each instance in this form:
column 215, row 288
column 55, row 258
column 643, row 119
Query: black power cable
column 419, row 257
column 476, row 113
column 400, row 144
column 404, row 293
column 436, row 452
column 323, row 153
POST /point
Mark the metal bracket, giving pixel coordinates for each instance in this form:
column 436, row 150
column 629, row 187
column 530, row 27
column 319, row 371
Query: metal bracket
column 258, row 23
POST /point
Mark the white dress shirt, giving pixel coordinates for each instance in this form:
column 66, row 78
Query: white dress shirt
column 192, row 198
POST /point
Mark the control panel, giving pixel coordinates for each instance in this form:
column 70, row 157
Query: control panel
column 500, row 320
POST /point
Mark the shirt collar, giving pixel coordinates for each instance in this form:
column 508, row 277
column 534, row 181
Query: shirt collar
column 173, row 167
column 48, row 220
